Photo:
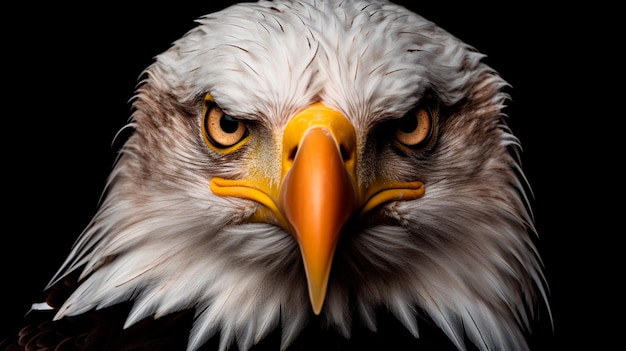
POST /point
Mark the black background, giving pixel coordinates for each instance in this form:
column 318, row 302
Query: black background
column 70, row 70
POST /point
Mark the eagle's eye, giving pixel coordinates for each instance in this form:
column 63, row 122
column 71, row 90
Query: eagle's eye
column 416, row 129
column 220, row 130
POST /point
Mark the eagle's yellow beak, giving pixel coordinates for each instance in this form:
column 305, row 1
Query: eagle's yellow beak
column 319, row 191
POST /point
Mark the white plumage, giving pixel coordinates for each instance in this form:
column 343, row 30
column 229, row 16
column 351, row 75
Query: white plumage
column 463, row 252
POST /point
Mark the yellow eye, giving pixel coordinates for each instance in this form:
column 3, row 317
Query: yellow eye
column 221, row 130
column 416, row 128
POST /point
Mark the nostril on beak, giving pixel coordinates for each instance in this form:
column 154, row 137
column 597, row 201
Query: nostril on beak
column 345, row 154
column 292, row 153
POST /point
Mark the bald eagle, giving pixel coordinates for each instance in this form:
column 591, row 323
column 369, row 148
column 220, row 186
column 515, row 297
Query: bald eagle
column 306, row 175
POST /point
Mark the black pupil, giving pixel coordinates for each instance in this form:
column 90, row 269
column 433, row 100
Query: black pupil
column 408, row 123
column 229, row 124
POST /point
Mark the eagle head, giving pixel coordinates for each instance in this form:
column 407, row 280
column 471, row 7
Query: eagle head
column 293, row 160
